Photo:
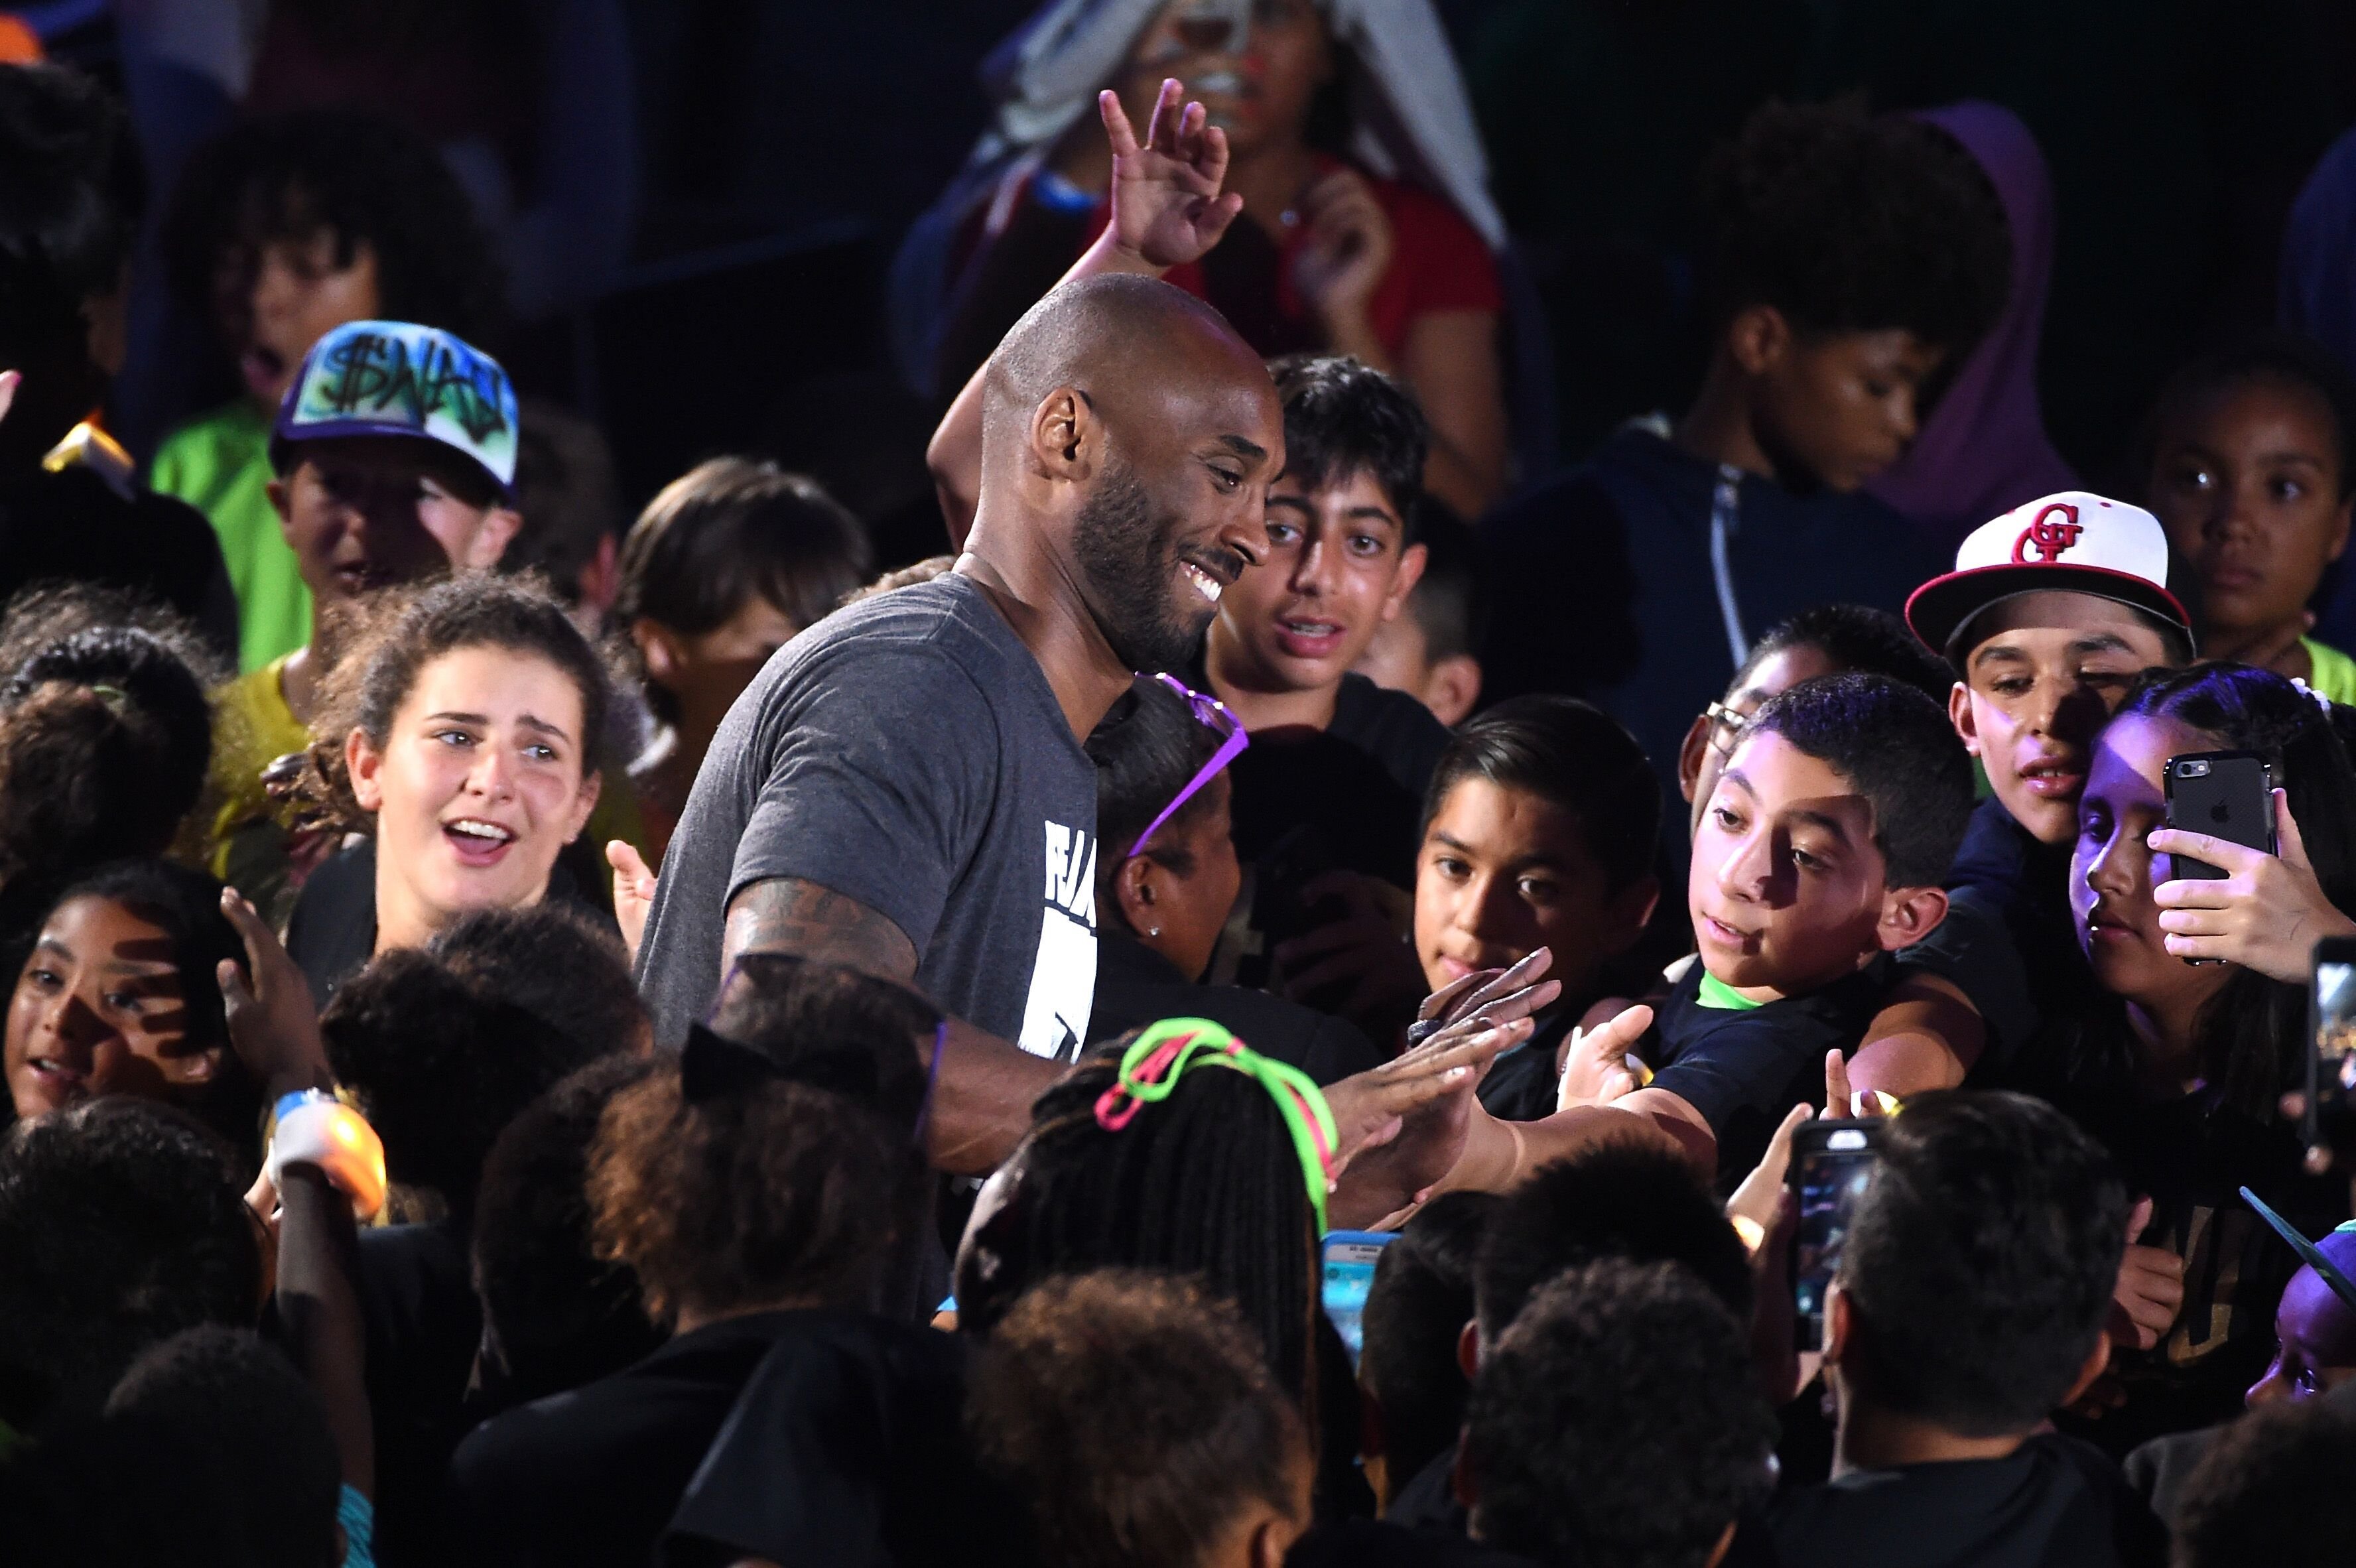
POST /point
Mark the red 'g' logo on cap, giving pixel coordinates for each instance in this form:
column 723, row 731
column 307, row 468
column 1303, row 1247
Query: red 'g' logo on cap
column 2048, row 538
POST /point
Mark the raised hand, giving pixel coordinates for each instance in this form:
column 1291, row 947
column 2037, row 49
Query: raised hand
column 1167, row 207
column 272, row 1024
column 2150, row 1290
column 634, row 892
column 2265, row 913
column 1348, row 251
column 1403, row 1125
column 1595, row 1068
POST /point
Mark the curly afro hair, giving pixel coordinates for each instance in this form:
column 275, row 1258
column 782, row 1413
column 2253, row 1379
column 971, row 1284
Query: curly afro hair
column 1850, row 223
column 2270, row 1491
column 440, row 1064
column 366, row 181
column 1618, row 1421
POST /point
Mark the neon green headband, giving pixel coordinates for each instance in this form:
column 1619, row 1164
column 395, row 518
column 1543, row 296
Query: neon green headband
column 1152, row 1065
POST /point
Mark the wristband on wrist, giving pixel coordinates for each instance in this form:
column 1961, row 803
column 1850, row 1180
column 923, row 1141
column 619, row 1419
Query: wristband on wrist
column 317, row 1129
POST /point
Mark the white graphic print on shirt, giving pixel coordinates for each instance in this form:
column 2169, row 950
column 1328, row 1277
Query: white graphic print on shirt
column 1064, row 975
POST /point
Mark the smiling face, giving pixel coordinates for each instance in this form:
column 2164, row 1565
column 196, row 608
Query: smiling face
column 1178, row 509
column 362, row 513
column 98, row 1009
column 1503, row 872
column 274, row 299
column 479, row 783
column 1259, row 95
column 2044, row 672
column 1842, row 405
column 1338, row 568
column 1787, row 887
column 2113, row 870
column 2248, row 480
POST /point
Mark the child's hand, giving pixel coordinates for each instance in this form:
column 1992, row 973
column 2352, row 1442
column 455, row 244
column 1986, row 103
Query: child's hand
column 1596, row 1069
column 1348, row 250
column 272, row 1024
column 634, row 892
column 1361, row 950
column 2150, row 1290
column 1167, row 208
column 2266, row 913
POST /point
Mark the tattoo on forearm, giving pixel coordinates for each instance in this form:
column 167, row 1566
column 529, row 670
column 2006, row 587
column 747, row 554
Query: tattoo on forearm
column 786, row 915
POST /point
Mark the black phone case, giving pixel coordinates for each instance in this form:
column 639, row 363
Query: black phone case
column 2233, row 798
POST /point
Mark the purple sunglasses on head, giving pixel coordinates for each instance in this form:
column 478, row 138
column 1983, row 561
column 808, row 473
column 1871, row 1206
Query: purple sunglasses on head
column 1213, row 713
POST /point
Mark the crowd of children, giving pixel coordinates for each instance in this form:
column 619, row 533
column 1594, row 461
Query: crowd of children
column 536, row 1036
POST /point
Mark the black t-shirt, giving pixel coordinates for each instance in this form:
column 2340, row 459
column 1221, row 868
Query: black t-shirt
column 1355, row 787
column 1744, row 1069
column 417, row 1299
column 1603, row 584
column 73, row 524
column 2009, row 942
column 1522, row 1084
column 331, row 932
column 1137, row 986
column 595, row 1476
column 2053, row 1502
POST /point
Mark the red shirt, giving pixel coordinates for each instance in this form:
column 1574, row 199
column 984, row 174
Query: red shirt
column 1439, row 262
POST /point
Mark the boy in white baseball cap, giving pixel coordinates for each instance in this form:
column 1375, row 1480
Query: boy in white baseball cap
column 2051, row 612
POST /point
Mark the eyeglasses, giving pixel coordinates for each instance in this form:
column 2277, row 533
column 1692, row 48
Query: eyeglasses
column 1213, row 713
column 1726, row 727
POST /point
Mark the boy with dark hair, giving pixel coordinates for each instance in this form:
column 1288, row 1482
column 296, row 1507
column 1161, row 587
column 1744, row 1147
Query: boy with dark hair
column 721, row 569
column 570, row 505
column 1135, row 1417
column 1620, row 1196
column 1539, row 831
column 1618, row 1421
column 70, row 507
column 393, row 458
column 1411, row 1385
column 2252, row 465
column 2274, row 1491
column 1824, row 639
column 281, row 230
column 1969, row 1304
column 1820, row 854
column 2051, row 613
column 1847, row 259
column 1432, row 652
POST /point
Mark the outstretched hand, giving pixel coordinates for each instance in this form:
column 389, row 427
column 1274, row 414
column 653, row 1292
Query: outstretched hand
column 1167, row 207
column 274, row 1026
column 2265, row 913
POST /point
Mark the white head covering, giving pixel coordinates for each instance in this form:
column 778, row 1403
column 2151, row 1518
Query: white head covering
column 1413, row 121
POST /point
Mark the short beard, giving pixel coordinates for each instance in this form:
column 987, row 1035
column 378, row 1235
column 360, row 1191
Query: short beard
column 1131, row 571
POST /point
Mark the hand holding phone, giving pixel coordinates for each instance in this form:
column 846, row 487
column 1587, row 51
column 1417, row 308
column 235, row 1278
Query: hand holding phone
column 1832, row 1164
column 1348, row 1260
column 2242, row 890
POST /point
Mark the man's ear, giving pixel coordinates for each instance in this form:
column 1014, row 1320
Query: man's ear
column 1451, row 687
column 1960, row 714
column 1627, row 914
column 1413, row 560
column 1908, row 914
column 361, row 763
column 1066, row 436
column 277, row 490
column 1468, row 1348
column 1689, row 757
column 2098, row 1361
column 1758, row 337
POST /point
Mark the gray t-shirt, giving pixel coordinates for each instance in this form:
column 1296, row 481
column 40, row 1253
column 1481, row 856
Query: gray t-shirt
column 908, row 753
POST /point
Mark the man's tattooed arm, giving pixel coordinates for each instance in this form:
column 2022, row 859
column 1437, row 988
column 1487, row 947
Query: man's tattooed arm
column 785, row 914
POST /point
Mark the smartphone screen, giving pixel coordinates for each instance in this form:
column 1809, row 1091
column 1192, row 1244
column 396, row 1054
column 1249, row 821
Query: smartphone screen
column 2227, row 795
column 1349, row 1272
column 2332, row 1008
column 1831, row 1163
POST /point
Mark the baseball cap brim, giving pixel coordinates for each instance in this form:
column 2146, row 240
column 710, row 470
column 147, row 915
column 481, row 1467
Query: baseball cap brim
column 282, row 445
column 1939, row 609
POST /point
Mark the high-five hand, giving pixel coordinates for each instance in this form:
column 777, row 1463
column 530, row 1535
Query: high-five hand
column 1167, row 208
